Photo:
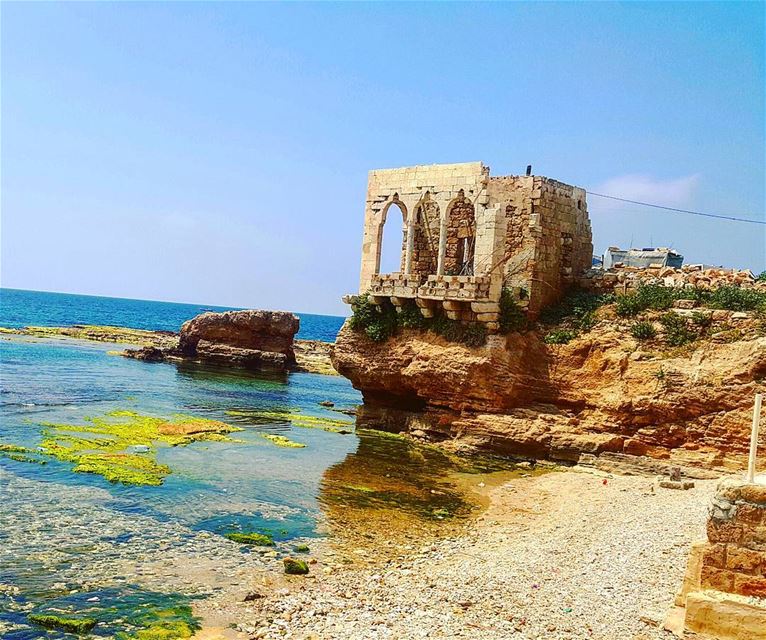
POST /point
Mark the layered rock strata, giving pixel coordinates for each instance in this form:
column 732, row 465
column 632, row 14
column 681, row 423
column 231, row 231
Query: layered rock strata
column 603, row 393
column 253, row 339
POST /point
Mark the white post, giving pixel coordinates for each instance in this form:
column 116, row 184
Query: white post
column 754, row 437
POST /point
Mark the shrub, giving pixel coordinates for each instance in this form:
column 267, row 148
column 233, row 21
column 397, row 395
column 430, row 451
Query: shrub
column 677, row 330
column 643, row 330
column 701, row 319
column 512, row 318
column 648, row 296
column 559, row 336
column 474, row 335
column 761, row 276
column 379, row 323
column 575, row 305
column 410, row 317
column 736, row 298
column 586, row 321
column 629, row 305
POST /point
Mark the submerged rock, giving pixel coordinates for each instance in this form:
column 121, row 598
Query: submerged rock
column 60, row 623
column 257, row 539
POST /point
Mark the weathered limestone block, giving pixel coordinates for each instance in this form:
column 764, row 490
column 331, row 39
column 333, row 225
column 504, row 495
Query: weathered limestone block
column 250, row 337
column 724, row 589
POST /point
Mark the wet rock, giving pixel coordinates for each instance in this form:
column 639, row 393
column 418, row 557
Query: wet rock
column 295, row 567
column 254, row 338
column 147, row 354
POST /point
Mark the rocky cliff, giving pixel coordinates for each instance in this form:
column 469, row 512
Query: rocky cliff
column 604, row 393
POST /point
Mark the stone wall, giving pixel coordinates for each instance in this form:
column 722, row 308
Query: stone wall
column 548, row 242
column 528, row 233
column 724, row 591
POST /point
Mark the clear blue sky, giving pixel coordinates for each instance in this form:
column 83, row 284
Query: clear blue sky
column 218, row 153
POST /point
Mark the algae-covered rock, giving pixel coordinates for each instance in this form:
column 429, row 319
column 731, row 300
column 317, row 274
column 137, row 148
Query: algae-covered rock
column 301, row 548
column 120, row 446
column 295, row 567
column 258, row 539
column 282, row 441
column 61, row 623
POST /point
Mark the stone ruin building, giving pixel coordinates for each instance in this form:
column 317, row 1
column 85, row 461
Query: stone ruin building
column 467, row 235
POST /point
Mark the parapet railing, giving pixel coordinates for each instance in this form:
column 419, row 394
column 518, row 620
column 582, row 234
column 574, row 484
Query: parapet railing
column 432, row 287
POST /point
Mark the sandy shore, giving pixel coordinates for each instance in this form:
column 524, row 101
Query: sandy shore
column 563, row 555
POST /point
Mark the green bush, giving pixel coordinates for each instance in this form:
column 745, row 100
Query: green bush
column 643, row 330
column 512, row 318
column 586, row 321
column 379, row 323
column 575, row 306
column 761, row 276
column 472, row 335
column 677, row 332
column 410, row 317
column 701, row 319
column 648, row 296
column 736, row 298
column 629, row 305
column 559, row 336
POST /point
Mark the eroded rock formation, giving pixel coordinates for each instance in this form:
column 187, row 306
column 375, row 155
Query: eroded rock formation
column 603, row 393
column 240, row 335
column 252, row 339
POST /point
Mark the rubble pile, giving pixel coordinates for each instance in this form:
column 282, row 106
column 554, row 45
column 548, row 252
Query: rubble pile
column 622, row 279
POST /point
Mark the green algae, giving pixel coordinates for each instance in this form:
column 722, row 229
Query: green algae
column 163, row 624
column 102, row 445
column 100, row 333
column 296, row 419
column 257, row 539
column 13, row 448
column 61, row 623
column 301, row 548
column 295, row 567
column 282, row 441
column 21, row 454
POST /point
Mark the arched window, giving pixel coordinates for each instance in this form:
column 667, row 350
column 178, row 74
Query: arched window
column 461, row 238
column 392, row 240
column 425, row 245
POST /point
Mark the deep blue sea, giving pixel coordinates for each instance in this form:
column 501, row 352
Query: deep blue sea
column 76, row 544
column 20, row 308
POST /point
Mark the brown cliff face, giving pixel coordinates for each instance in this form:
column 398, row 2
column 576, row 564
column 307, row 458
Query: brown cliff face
column 603, row 392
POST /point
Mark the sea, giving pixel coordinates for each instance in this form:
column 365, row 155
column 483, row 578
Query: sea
column 20, row 308
column 77, row 545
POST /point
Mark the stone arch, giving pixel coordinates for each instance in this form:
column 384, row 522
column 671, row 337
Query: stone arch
column 426, row 222
column 460, row 244
column 391, row 243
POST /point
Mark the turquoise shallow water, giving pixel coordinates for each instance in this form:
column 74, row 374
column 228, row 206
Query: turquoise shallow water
column 60, row 529
column 76, row 544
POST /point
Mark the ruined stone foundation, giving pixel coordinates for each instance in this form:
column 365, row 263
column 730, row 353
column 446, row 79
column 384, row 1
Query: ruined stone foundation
column 724, row 591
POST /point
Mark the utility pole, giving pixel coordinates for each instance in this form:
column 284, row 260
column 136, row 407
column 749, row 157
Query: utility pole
column 754, row 437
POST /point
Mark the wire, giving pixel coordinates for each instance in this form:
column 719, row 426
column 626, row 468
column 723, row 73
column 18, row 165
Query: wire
column 694, row 213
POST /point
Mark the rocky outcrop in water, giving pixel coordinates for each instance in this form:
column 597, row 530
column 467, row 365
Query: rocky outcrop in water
column 249, row 337
column 603, row 393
